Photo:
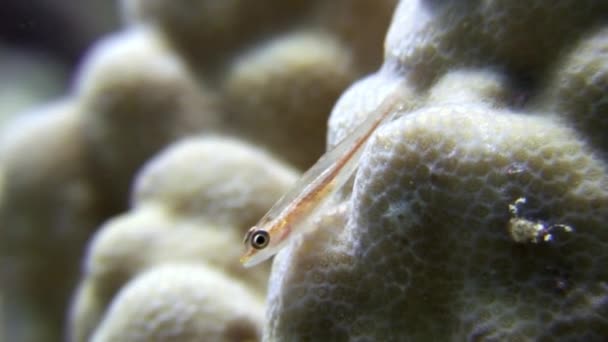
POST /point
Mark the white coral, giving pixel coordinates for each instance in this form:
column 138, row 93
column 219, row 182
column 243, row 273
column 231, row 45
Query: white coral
column 421, row 248
column 191, row 206
column 182, row 303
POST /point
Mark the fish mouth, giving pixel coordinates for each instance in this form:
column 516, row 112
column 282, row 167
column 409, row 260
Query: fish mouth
column 253, row 257
column 245, row 260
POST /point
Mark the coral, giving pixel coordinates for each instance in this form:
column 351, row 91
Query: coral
column 266, row 74
column 137, row 97
column 297, row 74
column 293, row 70
column 207, row 33
column 576, row 90
column 476, row 214
column 69, row 165
column 182, row 303
column 191, row 205
column 429, row 37
column 49, row 208
column 433, row 240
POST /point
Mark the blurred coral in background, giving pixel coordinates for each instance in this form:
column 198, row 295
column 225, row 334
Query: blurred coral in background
column 41, row 42
column 233, row 97
column 47, row 213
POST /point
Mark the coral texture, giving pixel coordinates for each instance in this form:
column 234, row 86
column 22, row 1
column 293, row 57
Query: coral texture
column 500, row 133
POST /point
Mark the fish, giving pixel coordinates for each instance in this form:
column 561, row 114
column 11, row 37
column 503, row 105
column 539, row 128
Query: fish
column 290, row 215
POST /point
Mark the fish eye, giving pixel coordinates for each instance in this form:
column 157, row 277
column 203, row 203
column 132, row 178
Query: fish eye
column 260, row 239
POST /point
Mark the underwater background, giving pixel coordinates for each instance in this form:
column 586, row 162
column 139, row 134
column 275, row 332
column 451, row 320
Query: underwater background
column 141, row 139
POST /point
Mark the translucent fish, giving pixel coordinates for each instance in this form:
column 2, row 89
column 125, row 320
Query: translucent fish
column 290, row 215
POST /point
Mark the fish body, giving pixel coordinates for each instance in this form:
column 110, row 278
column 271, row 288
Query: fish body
column 289, row 216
